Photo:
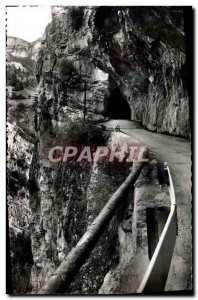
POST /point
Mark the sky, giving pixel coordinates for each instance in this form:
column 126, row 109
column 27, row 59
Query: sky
column 27, row 22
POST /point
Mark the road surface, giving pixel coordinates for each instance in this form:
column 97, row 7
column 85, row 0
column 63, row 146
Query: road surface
column 177, row 152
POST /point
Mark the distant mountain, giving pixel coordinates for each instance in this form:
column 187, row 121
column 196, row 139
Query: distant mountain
column 20, row 48
column 35, row 46
column 21, row 59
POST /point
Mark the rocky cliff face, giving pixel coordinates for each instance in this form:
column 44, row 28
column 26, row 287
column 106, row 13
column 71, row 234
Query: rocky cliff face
column 130, row 63
column 20, row 214
column 132, row 59
column 49, row 209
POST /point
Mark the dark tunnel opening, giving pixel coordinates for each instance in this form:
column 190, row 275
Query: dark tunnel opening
column 117, row 106
column 102, row 13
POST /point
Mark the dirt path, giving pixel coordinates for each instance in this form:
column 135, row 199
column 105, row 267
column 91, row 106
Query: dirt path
column 177, row 152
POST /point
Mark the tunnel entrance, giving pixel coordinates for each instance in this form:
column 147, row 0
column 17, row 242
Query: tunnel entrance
column 117, row 106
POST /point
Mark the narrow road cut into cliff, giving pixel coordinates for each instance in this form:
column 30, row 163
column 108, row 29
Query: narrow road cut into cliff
column 177, row 152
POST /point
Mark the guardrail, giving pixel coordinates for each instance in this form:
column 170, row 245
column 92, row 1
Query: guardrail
column 65, row 273
column 155, row 278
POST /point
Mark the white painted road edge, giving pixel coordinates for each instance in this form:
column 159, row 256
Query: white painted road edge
column 163, row 235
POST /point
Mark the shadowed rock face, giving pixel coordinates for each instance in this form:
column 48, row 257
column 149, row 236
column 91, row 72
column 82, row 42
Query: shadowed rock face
column 139, row 50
